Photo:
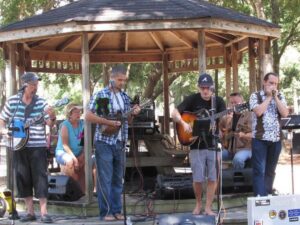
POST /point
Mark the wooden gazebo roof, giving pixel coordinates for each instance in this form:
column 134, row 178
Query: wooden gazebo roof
column 132, row 31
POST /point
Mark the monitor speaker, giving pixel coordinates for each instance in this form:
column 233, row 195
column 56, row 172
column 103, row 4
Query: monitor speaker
column 63, row 188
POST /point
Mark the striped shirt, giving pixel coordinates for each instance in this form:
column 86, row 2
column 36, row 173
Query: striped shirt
column 15, row 107
column 105, row 93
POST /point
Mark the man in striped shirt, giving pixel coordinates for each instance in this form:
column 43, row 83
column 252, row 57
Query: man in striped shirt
column 31, row 161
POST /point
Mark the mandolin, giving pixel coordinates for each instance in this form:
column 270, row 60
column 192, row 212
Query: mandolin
column 187, row 138
column 111, row 130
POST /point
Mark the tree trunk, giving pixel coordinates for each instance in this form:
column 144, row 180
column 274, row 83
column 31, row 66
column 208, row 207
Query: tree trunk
column 275, row 47
column 153, row 79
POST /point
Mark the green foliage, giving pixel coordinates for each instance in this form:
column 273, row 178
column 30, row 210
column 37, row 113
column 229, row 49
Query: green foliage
column 14, row 10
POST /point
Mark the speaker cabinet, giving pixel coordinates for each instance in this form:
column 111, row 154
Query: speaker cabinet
column 63, row 188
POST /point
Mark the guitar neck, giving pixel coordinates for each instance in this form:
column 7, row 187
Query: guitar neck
column 223, row 113
column 33, row 120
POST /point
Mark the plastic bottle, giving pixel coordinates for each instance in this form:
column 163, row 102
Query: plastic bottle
column 128, row 221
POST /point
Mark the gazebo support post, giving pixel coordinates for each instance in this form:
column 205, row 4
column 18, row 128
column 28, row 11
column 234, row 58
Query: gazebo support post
column 85, row 61
column 166, row 95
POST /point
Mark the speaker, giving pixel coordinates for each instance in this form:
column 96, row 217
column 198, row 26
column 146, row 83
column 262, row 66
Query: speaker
column 63, row 188
column 236, row 180
column 296, row 143
column 186, row 219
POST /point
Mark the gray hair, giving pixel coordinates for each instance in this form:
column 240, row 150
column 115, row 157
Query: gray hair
column 118, row 69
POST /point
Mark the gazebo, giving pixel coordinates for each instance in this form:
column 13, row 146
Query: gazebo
column 190, row 35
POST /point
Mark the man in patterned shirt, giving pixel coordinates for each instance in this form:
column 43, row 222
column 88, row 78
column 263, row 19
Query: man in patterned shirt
column 31, row 162
column 111, row 137
column 268, row 105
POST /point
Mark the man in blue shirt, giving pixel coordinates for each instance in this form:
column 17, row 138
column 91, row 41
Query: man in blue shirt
column 110, row 140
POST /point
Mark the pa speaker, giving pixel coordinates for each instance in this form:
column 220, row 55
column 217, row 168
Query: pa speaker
column 63, row 188
column 237, row 180
column 185, row 219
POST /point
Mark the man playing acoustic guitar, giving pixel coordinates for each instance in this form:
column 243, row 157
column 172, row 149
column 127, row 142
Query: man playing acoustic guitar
column 110, row 140
column 202, row 155
column 236, row 134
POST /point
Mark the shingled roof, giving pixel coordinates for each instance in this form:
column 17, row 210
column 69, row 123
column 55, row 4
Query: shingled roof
column 134, row 10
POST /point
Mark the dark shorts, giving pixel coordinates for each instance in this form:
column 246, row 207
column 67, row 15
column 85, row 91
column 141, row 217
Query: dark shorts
column 31, row 172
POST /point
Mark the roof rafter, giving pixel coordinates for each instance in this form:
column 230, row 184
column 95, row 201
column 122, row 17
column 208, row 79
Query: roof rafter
column 157, row 40
column 36, row 43
column 62, row 46
column 183, row 39
column 216, row 38
column 95, row 41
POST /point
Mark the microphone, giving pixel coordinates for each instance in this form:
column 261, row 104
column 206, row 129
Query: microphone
column 22, row 89
column 112, row 83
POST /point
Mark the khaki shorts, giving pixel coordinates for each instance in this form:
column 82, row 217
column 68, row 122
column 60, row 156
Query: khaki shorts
column 203, row 164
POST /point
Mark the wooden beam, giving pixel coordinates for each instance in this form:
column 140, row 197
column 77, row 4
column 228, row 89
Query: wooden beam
column 252, row 65
column 261, row 63
column 85, row 61
column 216, row 38
column 183, row 39
column 157, row 40
column 220, row 25
column 64, row 45
column 124, row 41
column 227, row 72
column 235, row 67
column 166, row 94
column 235, row 41
column 95, row 41
column 36, row 43
column 21, row 59
column 201, row 52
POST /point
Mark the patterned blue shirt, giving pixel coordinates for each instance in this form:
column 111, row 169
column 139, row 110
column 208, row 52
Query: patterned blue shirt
column 15, row 107
column 266, row 127
column 94, row 106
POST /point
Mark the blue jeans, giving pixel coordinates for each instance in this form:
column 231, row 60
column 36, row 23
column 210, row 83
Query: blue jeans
column 238, row 159
column 110, row 170
column 265, row 156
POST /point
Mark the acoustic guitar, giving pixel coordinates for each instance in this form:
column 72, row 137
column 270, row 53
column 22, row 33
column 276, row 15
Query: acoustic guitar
column 111, row 130
column 187, row 138
column 21, row 136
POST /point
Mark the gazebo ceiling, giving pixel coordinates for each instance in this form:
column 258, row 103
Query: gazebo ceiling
column 134, row 31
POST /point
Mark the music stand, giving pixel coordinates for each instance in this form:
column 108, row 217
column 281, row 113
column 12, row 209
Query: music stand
column 290, row 123
column 201, row 127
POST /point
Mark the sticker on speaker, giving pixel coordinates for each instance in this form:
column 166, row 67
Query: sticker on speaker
column 272, row 214
column 258, row 222
column 282, row 214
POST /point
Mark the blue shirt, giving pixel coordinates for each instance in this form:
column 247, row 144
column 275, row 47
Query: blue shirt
column 94, row 106
column 74, row 138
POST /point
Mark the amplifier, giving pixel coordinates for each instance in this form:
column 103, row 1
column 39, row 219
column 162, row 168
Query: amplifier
column 274, row 210
column 178, row 186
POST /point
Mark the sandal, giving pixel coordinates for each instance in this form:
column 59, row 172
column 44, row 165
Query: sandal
column 109, row 218
column 119, row 216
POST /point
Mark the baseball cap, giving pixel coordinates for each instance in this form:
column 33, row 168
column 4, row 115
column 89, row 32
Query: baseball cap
column 29, row 77
column 205, row 80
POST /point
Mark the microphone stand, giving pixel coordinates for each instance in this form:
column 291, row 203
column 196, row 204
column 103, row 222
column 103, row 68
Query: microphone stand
column 11, row 127
column 214, row 144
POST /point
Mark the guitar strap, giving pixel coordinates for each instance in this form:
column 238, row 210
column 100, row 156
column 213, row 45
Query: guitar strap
column 29, row 108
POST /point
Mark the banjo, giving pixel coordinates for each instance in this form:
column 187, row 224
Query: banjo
column 21, row 129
